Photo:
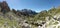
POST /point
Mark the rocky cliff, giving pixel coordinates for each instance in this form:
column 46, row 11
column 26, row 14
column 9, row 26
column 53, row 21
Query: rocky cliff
column 4, row 7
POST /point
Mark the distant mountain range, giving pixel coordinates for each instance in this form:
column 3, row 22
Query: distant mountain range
column 27, row 18
column 5, row 8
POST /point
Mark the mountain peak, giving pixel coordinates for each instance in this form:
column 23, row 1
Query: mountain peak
column 4, row 6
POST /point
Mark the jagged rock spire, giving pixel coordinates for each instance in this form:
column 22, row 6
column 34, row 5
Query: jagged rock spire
column 4, row 6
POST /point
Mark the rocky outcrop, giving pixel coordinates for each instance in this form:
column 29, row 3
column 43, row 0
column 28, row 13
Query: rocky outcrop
column 14, row 11
column 4, row 7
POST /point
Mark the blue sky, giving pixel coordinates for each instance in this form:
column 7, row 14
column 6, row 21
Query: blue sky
column 35, row 5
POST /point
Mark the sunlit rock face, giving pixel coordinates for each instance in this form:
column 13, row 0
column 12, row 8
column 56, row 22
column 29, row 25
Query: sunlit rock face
column 57, row 17
column 25, row 25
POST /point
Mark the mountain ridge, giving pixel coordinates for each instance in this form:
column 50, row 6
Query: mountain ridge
column 26, row 18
